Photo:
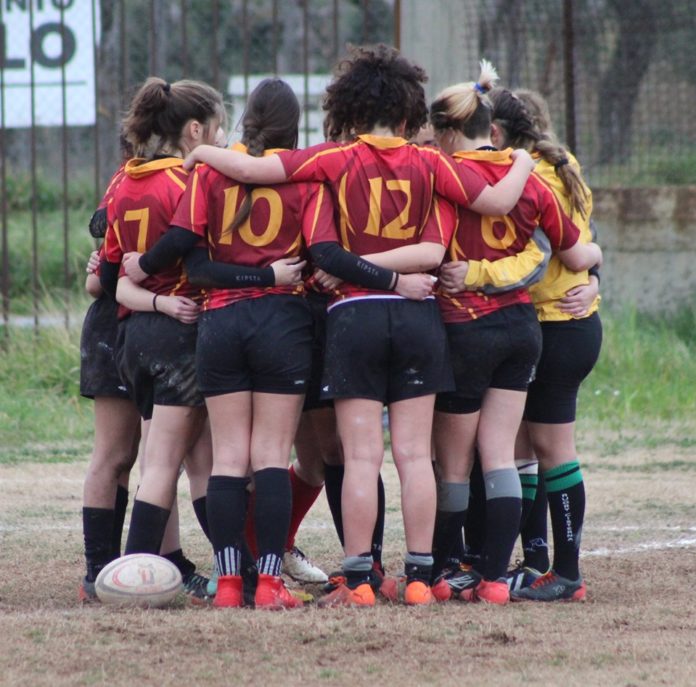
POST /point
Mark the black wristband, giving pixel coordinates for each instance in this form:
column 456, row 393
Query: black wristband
column 154, row 302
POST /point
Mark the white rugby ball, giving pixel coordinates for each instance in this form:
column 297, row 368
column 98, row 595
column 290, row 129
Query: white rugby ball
column 139, row 579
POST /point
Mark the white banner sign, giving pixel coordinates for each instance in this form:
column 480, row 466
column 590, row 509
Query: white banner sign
column 51, row 41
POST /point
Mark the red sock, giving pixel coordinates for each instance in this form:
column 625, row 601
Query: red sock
column 303, row 496
column 250, row 529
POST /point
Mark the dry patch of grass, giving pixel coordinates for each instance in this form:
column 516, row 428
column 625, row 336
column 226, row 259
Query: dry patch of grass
column 636, row 629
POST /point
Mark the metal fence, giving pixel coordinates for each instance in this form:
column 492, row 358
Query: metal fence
column 619, row 75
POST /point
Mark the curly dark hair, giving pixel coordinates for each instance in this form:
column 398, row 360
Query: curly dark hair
column 374, row 86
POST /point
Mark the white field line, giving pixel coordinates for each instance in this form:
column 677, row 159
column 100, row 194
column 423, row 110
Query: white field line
column 602, row 552
column 683, row 543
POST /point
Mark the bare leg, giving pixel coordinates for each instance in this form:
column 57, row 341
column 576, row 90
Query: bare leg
column 309, row 447
column 116, row 433
column 501, row 415
column 173, row 430
column 360, row 429
column 411, row 424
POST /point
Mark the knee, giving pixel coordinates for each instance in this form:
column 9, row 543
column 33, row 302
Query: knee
column 312, row 473
column 407, row 454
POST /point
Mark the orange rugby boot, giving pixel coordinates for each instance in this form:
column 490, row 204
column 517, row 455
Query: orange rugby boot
column 273, row 595
column 362, row 596
column 230, row 592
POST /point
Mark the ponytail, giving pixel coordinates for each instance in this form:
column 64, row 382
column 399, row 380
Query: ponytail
column 160, row 109
column 465, row 107
column 142, row 120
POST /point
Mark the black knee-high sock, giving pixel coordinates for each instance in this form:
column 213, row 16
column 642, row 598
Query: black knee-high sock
column 186, row 567
column 226, row 503
column 97, row 527
column 458, row 550
column 529, row 479
column 200, row 508
column 378, row 532
column 119, row 519
column 475, row 523
column 333, row 484
column 534, row 532
column 147, row 526
column 452, row 504
column 272, row 517
column 566, row 496
column 503, row 508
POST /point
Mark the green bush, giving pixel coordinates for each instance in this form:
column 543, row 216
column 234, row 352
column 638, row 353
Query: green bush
column 645, row 371
column 49, row 194
column 50, row 246
column 640, row 393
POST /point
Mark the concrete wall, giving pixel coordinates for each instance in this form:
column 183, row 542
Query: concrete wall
column 648, row 236
column 451, row 22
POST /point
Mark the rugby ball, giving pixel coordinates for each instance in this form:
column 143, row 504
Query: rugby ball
column 139, row 579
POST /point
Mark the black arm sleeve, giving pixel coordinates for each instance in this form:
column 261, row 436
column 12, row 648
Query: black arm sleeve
column 333, row 259
column 172, row 245
column 108, row 277
column 202, row 271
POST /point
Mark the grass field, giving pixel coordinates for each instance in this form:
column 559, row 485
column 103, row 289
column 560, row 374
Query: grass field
column 637, row 628
column 637, row 439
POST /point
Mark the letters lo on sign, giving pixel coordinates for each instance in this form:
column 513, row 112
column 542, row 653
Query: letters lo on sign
column 48, row 43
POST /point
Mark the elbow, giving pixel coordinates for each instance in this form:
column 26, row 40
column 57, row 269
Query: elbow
column 573, row 263
column 92, row 286
column 577, row 261
column 243, row 176
column 194, row 277
column 501, row 208
column 94, row 290
column 433, row 258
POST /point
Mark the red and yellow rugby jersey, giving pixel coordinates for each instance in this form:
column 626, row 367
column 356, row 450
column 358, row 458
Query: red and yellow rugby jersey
column 282, row 219
column 115, row 180
column 141, row 211
column 479, row 237
column 558, row 279
column 384, row 192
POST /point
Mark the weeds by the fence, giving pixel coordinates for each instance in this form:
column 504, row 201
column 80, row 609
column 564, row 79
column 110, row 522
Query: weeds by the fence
column 645, row 376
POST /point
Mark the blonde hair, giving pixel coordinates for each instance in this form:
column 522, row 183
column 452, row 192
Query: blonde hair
column 465, row 106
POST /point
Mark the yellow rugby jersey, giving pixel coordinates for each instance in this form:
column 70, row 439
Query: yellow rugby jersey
column 558, row 279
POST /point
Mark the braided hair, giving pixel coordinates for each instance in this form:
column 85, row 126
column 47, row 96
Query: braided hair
column 524, row 119
column 270, row 120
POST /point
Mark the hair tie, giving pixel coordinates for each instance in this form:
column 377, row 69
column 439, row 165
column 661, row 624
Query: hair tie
column 562, row 162
column 478, row 87
column 167, row 87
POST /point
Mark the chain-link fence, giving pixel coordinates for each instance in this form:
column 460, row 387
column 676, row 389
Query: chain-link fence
column 620, row 78
column 619, row 75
